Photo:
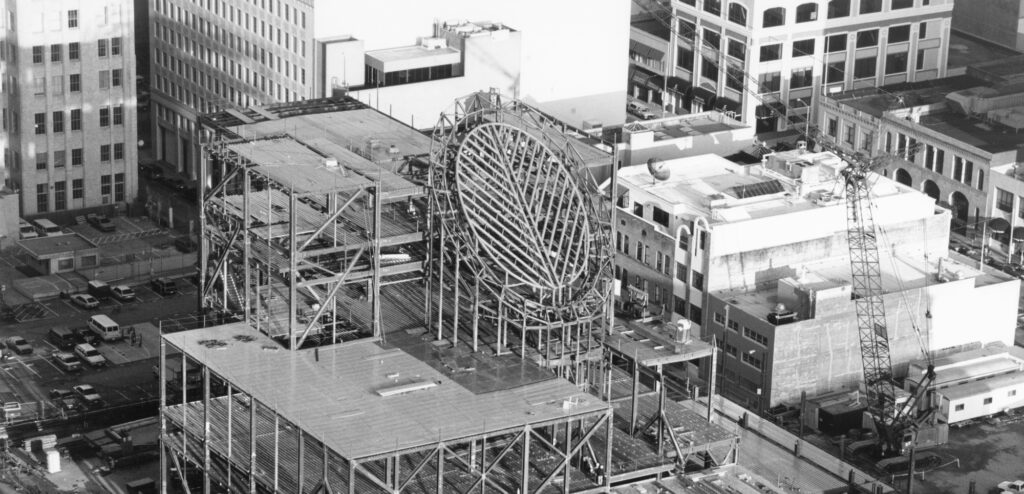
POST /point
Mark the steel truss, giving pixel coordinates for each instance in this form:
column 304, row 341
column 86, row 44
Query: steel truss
column 518, row 251
column 209, row 433
column 305, row 267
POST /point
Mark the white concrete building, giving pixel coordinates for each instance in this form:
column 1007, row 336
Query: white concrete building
column 679, row 137
column 977, row 383
column 788, row 51
column 68, row 101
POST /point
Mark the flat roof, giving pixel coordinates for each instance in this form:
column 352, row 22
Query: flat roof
column 982, row 386
column 650, row 352
column 363, row 400
column 42, row 247
column 412, row 52
column 971, row 131
column 691, row 125
column 299, row 167
column 876, row 101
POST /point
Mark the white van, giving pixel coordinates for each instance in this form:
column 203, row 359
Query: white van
column 46, row 227
column 26, row 230
column 105, row 328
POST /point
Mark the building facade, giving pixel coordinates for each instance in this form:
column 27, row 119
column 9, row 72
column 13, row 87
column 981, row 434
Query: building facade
column 719, row 53
column 952, row 139
column 996, row 21
column 69, row 126
column 213, row 55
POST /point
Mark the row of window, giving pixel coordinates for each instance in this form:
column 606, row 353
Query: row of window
column 60, row 196
column 985, row 401
column 231, row 13
column 107, row 116
column 108, row 153
column 806, row 12
column 107, row 79
column 748, row 333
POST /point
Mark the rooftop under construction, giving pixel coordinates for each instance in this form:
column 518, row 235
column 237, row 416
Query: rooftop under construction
column 418, row 314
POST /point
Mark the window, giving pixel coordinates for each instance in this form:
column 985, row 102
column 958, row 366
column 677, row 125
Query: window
column 758, row 338
column 73, row 51
column 713, row 6
column 899, row 34
column 679, row 306
column 696, row 314
column 698, row 280
column 77, row 188
column 101, row 48
column 118, row 151
column 719, row 318
column 733, row 325
column 639, row 251
column 42, row 199
column 41, row 160
column 58, row 159
column 867, row 38
column 752, row 360
column 40, row 119
column 118, row 187
column 801, row 78
column 660, row 216
column 866, row 143
column 76, row 157
column 709, row 68
column 835, row 71
column 919, row 63
column 660, row 265
column 804, row 47
column 895, row 63
column 687, row 29
column 104, row 78
column 105, row 185
column 959, row 408
column 851, row 134
column 56, row 53
column 807, row 12
column 774, row 17
column 771, row 52
column 981, row 179
column 115, row 77
column 115, row 46
column 986, row 401
column 37, row 54
column 105, row 117
column 838, row 8
column 734, row 77
column 737, row 13
column 833, row 128
column 58, row 121
column 902, row 4
column 737, row 49
column 60, row 196
column 835, row 43
column 864, row 67
column 76, row 119
column 75, row 83
column 73, row 19
column 713, row 38
column 870, row 6
column 1004, row 200
column 685, row 58
column 1012, row 392
column 681, row 272
column 104, row 153
column 638, row 210
column 922, row 31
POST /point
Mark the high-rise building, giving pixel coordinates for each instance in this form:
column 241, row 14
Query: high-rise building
column 718, row 53
column 68, row 97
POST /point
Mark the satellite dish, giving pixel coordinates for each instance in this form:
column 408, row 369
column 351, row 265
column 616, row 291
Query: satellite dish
column 658, row 169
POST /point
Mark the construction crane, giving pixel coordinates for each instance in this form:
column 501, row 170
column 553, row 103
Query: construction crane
column 900, row 424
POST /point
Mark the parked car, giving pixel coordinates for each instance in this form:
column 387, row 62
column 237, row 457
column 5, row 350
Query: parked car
column 26, row 230
column 151, row 171
column 640, row 110
column 85, row 301
column 18, row 345
column 85, row 335
column 1015, row 486
column 64, row 399
column 90, row 355
column 62, row 338
column 88, row 395
column 66, row 361
column 164, row 286
column 123, row 293
column 101, row 222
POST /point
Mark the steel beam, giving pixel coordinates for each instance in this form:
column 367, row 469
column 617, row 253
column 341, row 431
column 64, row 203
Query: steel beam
column 330, row 219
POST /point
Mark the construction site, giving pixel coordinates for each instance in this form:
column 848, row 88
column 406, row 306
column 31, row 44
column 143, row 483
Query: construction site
column 420, row 314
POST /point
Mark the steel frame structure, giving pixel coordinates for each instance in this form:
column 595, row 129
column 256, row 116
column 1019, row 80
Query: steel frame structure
column 518, row 236
column 209, row 432
column 266, row 241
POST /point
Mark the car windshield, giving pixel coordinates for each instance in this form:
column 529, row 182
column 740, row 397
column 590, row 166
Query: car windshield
column 91, row 353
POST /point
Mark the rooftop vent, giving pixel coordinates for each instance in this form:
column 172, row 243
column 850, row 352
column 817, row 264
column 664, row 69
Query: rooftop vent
column 331, row 162
column 402, row 389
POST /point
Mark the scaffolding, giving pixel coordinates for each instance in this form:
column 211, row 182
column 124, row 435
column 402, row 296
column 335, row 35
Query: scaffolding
column 518, row 237
column 302, row 230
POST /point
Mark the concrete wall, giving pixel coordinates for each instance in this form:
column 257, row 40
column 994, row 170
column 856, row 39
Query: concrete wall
column 343, row 62
column 575, row 52
column 9, row 233
column 998, row 21
column 823, row 354
column 142, row 268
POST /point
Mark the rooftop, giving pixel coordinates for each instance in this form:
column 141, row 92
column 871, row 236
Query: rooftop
column 410, row 53
column 974, row 388
column 686, row 125
column 650, row 25
column 299, row 167
column 972, row 131
column 363, row 400
column 973, row 364
column 966, row 50
column 42, row 247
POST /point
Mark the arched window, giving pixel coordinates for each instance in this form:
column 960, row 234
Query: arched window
column 774, row 17
column 838, row 8
column 738, row 14
column 807, row 12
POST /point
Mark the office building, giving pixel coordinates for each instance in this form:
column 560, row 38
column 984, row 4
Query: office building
column 68, row 97
column 955, row 139
column 693, row 55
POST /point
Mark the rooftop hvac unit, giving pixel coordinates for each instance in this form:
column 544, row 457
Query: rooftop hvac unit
column 331, row 162
column 780, row 315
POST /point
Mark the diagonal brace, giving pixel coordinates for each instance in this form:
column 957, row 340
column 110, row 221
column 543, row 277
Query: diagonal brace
column 220, row 262
column 330, row 219
column 562, row 465
column 496, row 460
column 220, row 185
column 415, row 471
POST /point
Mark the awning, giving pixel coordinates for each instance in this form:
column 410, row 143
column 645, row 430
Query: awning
column 646, row 51
column 997, row 226
column 1018, row 233
column 765, row 111
column 640, row 76
column 708, row 96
